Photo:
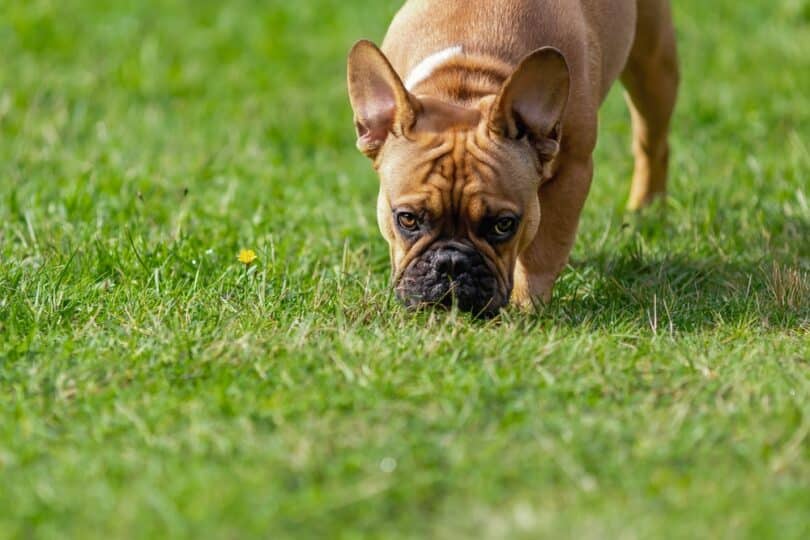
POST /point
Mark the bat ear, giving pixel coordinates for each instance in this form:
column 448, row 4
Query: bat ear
column 532, row 101
column 381, row 104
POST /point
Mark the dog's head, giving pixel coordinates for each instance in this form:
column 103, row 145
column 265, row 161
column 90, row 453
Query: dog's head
column 458, row 197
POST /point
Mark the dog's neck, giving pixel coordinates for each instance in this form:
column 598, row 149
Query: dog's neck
column 457, row 76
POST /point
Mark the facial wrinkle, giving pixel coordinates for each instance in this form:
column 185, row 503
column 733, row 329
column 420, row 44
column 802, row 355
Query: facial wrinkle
column 481, row 171
column 461, row 177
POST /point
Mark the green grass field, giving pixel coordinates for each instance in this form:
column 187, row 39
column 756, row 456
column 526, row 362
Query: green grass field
column 152, row 386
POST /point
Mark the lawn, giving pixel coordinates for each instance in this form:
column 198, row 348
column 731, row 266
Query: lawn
column 153, row 386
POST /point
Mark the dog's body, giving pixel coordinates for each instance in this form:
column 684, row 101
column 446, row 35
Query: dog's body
column 497, row 119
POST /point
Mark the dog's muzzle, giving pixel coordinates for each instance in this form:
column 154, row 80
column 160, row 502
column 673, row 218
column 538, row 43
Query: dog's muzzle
column 452, row 274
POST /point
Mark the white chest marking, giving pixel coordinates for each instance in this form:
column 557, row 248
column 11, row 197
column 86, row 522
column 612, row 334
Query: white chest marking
column 426, row 67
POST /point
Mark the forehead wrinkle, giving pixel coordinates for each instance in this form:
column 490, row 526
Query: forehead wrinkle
column 439, row 188
column 433, row 159
column 439, row 180
column 434, row 152
column 461, row 173
column 482, row 185
column 429, row 185
column 418, row 168
column 484, row 173
column 478, row 151
column 489, row 169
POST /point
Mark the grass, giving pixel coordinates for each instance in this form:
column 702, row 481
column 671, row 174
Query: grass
column 152, row 386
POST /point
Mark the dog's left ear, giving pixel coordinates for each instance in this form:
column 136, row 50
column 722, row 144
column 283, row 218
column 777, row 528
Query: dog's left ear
column 380, row 101
column 532, row 101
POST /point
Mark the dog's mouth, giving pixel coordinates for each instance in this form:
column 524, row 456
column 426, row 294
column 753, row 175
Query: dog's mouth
column 452, row 274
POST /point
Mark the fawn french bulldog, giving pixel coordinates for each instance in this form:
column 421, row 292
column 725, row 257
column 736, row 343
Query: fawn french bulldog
column 480, row 117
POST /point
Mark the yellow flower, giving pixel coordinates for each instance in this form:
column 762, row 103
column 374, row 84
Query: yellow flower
column 247, row 256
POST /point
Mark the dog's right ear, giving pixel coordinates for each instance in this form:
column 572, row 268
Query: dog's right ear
column 380, row 101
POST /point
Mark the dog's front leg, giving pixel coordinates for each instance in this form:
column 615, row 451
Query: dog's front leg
column 561, row 202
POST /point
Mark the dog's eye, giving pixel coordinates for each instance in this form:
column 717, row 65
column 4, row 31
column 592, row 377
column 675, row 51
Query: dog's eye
column 407, row 221
column 505, row 226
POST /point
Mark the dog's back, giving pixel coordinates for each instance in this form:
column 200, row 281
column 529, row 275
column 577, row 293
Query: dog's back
column 593, row 35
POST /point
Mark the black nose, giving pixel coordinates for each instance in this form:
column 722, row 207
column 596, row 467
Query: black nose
column 452, row 262
column 450, row 274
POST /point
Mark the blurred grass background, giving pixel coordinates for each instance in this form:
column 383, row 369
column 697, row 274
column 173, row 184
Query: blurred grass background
column 151, row 386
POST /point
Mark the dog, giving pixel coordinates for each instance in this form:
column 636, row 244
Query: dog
column 480, row 117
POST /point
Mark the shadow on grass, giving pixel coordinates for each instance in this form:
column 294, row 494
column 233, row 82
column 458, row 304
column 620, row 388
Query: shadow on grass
column 676, row 293
column 680, row 292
